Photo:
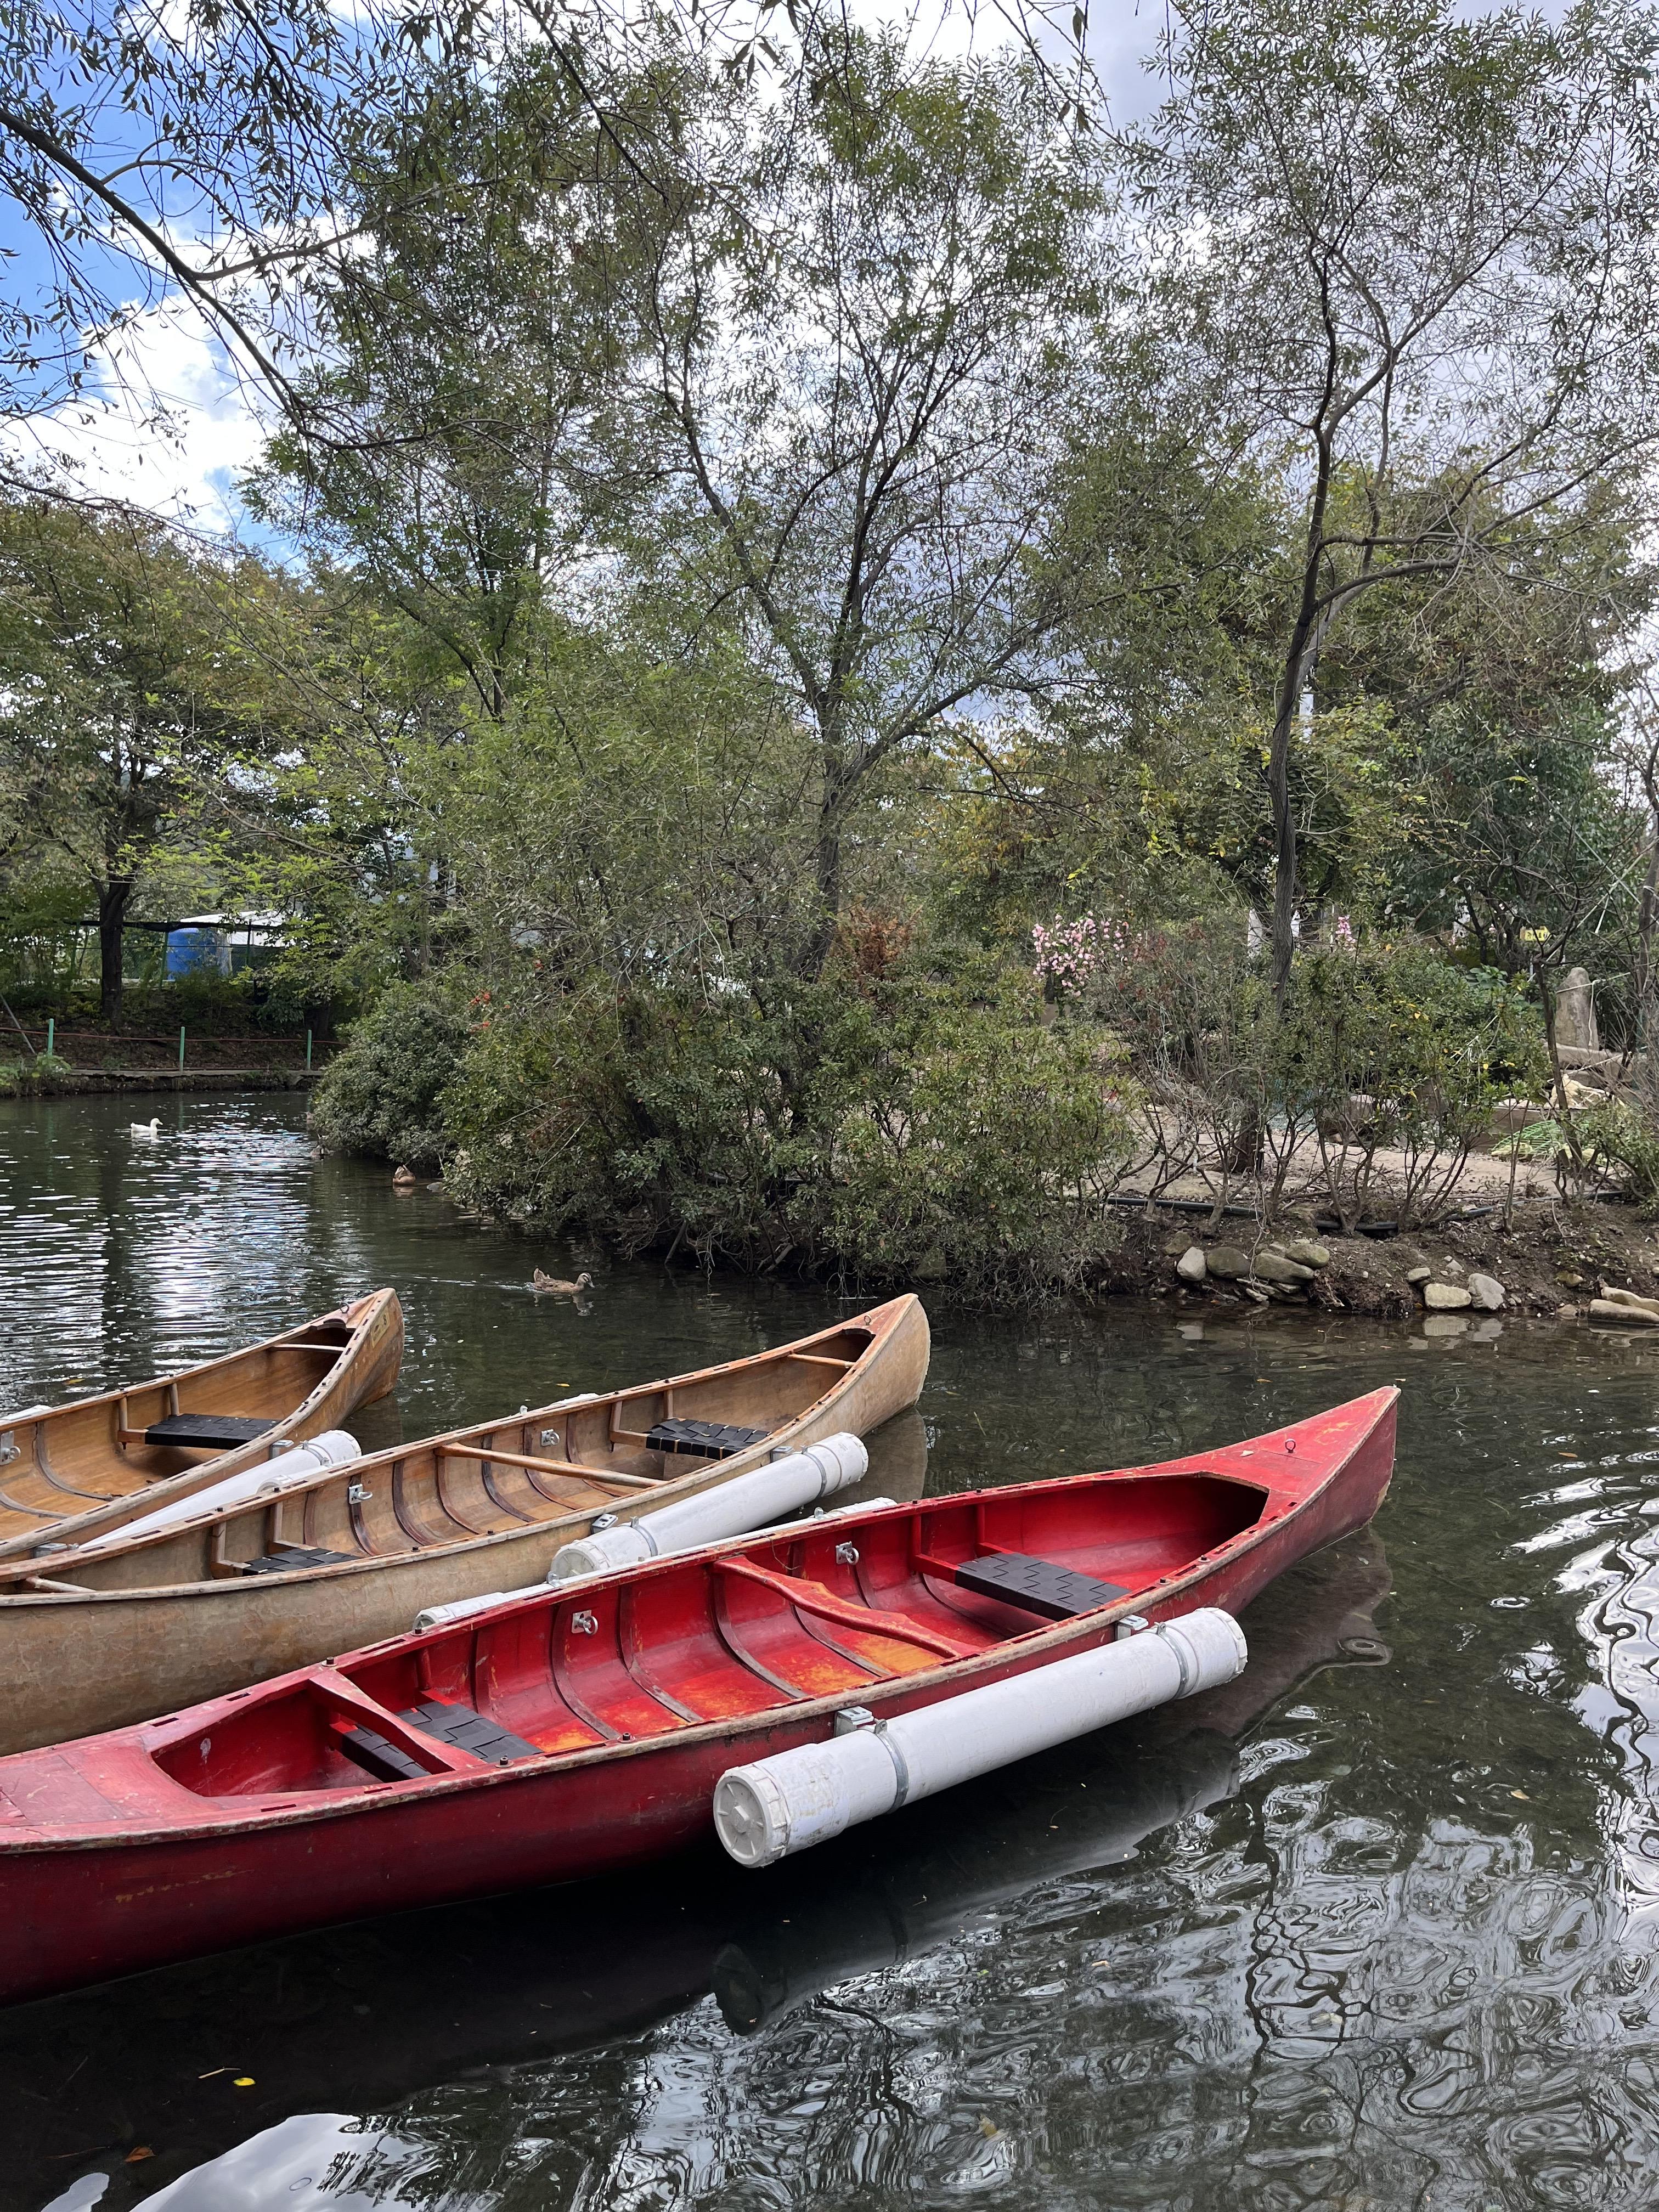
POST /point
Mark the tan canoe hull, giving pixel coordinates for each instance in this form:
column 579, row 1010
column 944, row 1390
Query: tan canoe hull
column 72, row 1664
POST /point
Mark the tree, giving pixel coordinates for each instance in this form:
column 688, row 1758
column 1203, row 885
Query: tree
column 117, row 724
column 454, row 361
column 860, row 326
column 1502, row 691
column 1411, row 251
column 796, row 377
column 186, row 153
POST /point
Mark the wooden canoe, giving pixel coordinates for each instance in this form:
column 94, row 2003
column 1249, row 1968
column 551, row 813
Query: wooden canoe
column 586, row 1728
column 69, row 1472
column 93, row 1639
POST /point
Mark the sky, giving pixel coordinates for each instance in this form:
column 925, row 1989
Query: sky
column 188, row 467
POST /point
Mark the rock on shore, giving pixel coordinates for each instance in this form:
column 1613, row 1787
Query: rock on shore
column 1556, row 1258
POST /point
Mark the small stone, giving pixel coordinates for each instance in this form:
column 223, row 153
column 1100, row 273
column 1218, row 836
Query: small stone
column 1444, row 1298
column 1631, row 1317
column 1486, row 1293
column 1419, row 1274
column 1228, row 1263
column 1308, row 1254
column 1254, row 1291
column 1192, row 1267
column 1274, row 1267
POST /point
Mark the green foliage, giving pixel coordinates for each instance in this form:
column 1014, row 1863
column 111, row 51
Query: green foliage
column 380, row 1093
column 1622, row 1143
column 984, row 1157
column 902, row 1127
column 1396, row 1048
column 21, row 1078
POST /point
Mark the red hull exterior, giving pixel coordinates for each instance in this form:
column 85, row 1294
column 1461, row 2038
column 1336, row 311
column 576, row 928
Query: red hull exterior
column 109, row 1864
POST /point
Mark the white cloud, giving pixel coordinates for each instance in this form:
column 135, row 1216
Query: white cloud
column 164, row 423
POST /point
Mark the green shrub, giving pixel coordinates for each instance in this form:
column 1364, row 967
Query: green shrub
column 1622, row 1143
column 982, row 1156
column 380, row 1092
column 1395, row 1048
column 18, row 1078
column 874, row 1129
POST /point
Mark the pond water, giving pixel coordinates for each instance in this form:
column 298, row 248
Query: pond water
column 1373, row 1928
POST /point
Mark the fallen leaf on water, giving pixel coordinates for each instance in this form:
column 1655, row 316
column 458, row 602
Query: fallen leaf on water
column 142, row 2150
column 989, row 2128
column 244, row 2080
column 1522, row 1795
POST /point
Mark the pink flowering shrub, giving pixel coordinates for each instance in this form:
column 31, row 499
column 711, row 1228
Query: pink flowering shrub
column 1069, row 956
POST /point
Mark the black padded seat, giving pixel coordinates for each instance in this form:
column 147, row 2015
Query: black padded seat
column 1037, row 1585
column 296, row 1556
column 709, row 1439
column 451, row 1723
column 208, row 1431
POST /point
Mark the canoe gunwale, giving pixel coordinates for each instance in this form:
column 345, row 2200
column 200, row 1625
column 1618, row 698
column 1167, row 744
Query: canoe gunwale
column 1017, row 1654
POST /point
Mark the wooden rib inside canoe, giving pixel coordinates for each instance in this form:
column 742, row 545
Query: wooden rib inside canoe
column 73, row 1471
column 233, row 1594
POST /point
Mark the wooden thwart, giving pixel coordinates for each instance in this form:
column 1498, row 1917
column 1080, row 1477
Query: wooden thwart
column 600, row 1480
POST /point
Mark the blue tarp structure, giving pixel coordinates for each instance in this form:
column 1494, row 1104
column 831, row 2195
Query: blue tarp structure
column 195, row 951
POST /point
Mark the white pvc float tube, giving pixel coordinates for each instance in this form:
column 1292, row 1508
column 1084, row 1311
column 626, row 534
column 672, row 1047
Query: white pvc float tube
column 334, row 1447
column 778, row 1806
column 729, row 1508
column 463, row 1609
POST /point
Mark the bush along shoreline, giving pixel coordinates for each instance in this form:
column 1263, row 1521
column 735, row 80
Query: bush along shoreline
column 901, row 1122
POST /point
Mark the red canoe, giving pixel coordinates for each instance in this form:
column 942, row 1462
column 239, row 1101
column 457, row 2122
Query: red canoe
column 583, row 1730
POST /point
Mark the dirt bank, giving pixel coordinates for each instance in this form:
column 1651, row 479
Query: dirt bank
column 80, row 1082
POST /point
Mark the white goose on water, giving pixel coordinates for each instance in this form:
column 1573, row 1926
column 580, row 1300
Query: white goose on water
column 150, row 1130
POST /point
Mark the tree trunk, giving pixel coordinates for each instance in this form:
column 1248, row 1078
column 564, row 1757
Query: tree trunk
column 1279, row 792
column 1647, row 982
column 113, row 896
column 841, row 779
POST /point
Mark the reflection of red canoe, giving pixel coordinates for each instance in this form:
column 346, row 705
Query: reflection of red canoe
column 587, row 1729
